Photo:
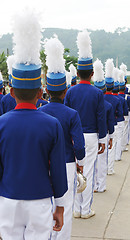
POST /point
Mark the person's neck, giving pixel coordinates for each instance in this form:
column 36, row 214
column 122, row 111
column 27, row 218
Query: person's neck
column 34, row 101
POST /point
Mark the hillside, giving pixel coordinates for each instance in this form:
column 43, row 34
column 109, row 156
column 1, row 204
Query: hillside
column 104, row 44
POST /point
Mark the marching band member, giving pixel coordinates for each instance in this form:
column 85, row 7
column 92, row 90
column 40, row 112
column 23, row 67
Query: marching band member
column 89, row 102
column 32, row 149
column 71, row 124
column 102, row 160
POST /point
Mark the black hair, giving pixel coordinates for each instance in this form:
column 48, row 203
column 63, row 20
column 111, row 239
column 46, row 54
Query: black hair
column 56, row 93
column 25, row 94
column 84, row 74
column 109, row 89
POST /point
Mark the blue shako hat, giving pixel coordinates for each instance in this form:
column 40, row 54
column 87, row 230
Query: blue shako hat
column 56, row 81
column 109, row 82
column 121, row 81
column 85, row 64
column 109, row 68
column 85, row 51
column 56, row 77
column 10, row 80
column 73, row 80
column 26, row 67
column 101, row 85
column 26, row 76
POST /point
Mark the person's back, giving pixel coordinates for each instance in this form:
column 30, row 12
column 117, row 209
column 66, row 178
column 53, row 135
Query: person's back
column 27, row 156
column 89, row 102
column 72, row 128
column 7, row 103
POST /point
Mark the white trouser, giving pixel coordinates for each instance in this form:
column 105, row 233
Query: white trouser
column 26, row 220
column 125, row 134
column 83, row 201
column 112, row 152
column 65, row 232
column 119, row 133
column 101, row 169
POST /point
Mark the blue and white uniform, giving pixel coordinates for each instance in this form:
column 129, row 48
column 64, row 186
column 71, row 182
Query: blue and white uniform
column 32, row 169
column 102, row 163
column 89, row 102
column 74, row 148
column 118, row 116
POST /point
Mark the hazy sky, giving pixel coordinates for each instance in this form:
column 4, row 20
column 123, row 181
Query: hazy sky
column 82, row 14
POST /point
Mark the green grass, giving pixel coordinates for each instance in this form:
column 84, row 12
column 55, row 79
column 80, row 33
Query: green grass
column 128, row 79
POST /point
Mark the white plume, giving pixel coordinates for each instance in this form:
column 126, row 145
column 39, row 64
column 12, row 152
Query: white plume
column 109, row 66
column 68, row 78
column 73, row 70
column 1, row 78
column 98, row 71
column 84, row 44
column 10, row 61
column 54, row 51
column 123, row 67
column 121, row 76
column 116, row 74
column 27, row 37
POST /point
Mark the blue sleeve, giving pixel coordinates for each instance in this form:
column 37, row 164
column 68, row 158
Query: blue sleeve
column 1, row 169
column 119, row 112
column 2, row 107
column 58, row 164
column 101, row 118
column 111, row 120
column 77, row 136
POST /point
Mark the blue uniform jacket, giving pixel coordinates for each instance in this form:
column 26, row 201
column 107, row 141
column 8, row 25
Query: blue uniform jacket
column 118, row 111
column 7, row 103
column 88, row 101
column 71, row 124
column 32, row 156
column 109, row 117
column 1, row 96
column 124, row 104
column 40, row 103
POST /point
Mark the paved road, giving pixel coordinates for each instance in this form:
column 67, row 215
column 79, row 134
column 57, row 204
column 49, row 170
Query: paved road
column 112, row 219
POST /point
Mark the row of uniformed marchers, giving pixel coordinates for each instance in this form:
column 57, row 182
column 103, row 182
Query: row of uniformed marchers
column 85, row 127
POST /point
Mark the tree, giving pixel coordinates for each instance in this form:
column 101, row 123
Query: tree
column 43, row 62
column 69, row 59
column 3, row 65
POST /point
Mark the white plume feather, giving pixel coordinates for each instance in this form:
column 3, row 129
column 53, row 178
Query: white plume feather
column 73, row 70
column 121, row 76
column 27, row 37
column 123, row 67
column 54, row 51
column 116, row 74
column 1, row 78
column 109, row 66
column 84, row 44
column 98, row 71
column 68, row 78
column 10, row 61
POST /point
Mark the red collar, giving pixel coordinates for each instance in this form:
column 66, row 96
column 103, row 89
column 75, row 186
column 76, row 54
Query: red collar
column 25, row 106
column 121, row 93
column 109, row 93
column 1, row 93
column 115, row 94
column 84, row 82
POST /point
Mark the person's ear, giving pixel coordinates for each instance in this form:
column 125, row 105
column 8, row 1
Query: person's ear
column 12, row 92
column 39, row 93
